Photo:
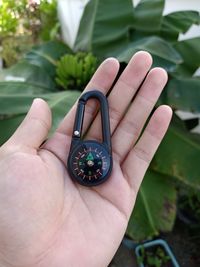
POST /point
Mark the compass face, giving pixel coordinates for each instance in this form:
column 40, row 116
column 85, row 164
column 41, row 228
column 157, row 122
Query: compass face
column 90, row 163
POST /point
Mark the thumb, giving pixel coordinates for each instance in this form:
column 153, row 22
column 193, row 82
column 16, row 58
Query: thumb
column 35, row 127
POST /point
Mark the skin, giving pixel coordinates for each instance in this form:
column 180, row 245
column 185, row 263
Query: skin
column 48, row 220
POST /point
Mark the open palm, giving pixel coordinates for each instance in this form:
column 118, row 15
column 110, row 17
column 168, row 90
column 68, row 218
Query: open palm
column 48, row 220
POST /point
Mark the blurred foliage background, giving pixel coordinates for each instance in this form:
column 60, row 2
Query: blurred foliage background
column 25, row 23
column 38, row 64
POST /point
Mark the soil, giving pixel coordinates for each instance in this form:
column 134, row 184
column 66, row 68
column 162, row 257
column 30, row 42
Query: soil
column 183, row 240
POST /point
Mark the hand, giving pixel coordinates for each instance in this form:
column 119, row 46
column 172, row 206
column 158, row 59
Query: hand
column 46, row 220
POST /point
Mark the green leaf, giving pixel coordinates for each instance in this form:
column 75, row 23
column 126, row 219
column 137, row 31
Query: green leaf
column 154, row 45
column 148, row 15
column 60, row 104
column 9, row 88
column 190, row 52
column 104, row 26
column 85, row 33
column 24, row 77
column 183, row 94
column 155, row 208
column 168, row 65
column 46, row 55
column 16, row 106
column 8, row 126
column 179, row 155
column 178, row 22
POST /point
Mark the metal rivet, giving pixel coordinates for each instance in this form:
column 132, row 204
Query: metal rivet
column 76, row 133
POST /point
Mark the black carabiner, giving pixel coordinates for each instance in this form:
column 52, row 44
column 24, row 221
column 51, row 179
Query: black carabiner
column 89, row 161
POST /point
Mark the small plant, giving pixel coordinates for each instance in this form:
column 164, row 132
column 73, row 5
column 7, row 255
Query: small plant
column 74, row 71
column 154, row 257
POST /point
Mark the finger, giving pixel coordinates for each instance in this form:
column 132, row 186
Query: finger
column 102, row 80
column 132, row 124
column 140, row 156
column 35, row 127
column 123, row 92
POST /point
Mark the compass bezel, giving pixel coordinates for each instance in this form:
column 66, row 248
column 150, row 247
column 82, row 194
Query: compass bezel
column 76, row 150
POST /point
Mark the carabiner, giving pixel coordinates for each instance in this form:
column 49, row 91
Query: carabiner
column 89, row 161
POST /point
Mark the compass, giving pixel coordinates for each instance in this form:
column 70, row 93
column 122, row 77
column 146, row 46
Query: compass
column 90, row 163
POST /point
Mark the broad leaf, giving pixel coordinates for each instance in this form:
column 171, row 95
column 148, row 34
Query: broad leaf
column 190, row 52
column 178, row 22
column 148, row 15
column 25, row 78
column 155, row 208
column 183, row 94
column 8, row 126
column 154, row 45
column 104, row 26
column 9, row 88
column 15, row 107
column 17, row 104
column 179, row 155
column 85, row 33
column 46, row 55
column 181, row 71
column 168, row 65
column 60, row 104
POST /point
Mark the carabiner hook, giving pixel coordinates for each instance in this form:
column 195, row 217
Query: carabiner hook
column 89, row 161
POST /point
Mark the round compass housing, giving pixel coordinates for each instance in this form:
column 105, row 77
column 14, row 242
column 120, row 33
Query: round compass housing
column 90, row 163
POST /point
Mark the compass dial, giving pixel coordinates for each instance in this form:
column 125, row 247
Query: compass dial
column 90, row 163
